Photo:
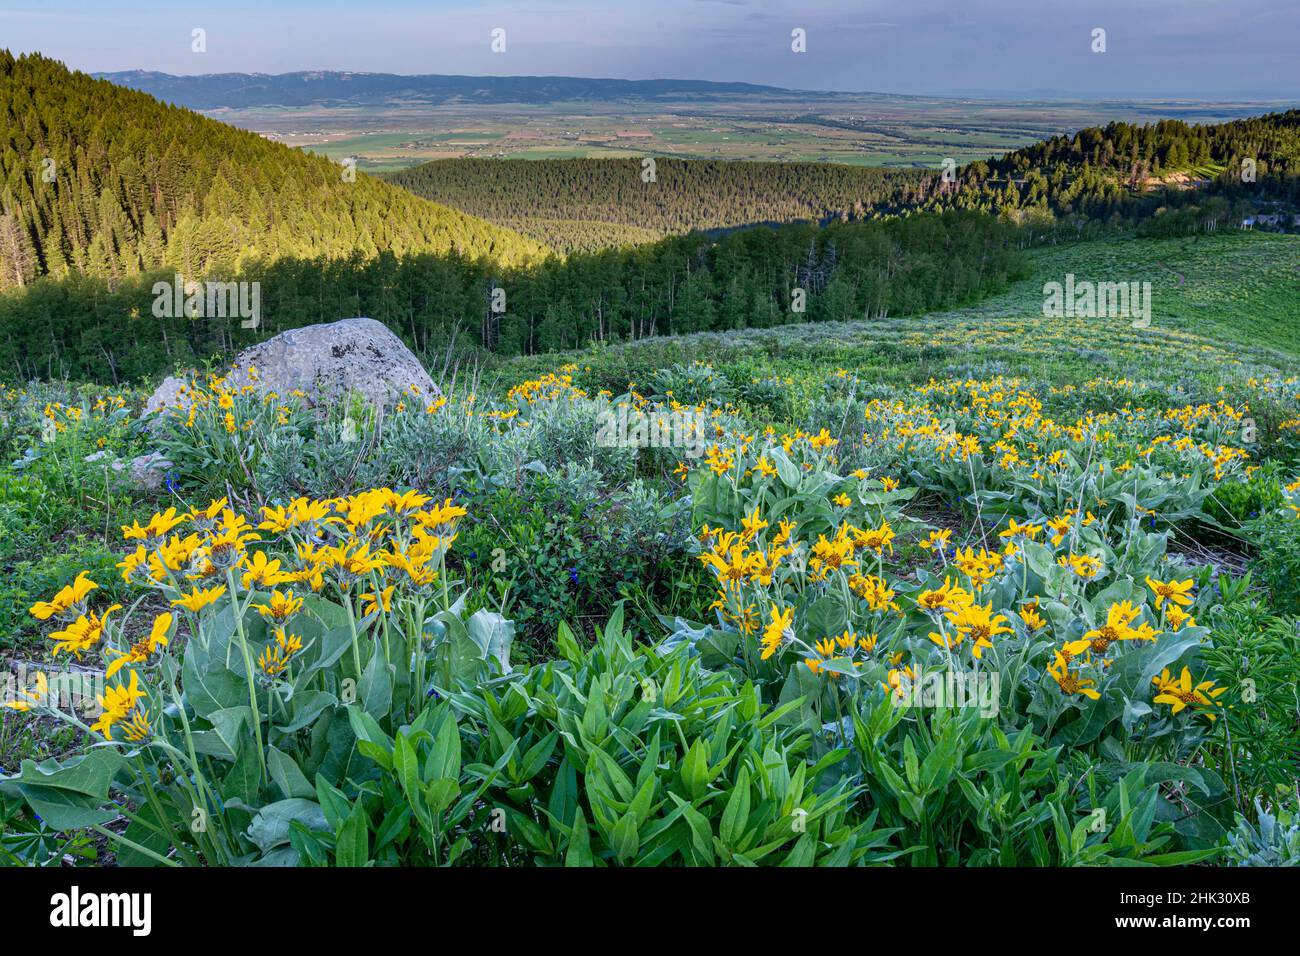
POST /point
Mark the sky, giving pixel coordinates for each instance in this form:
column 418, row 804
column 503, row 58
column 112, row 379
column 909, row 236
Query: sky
column 1217, row 49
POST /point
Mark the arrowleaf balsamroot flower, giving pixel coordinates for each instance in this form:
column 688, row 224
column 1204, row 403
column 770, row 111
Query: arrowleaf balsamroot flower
column 1119, row 617
column 1013, row 529
column 822, row 440
column 370, row 605
column 275, row 657
column 950, row 596
column 1180, row 692
column 981, row 567
column 752, row 524
column 258, row 569
column 729, row 560
column 142, row 650
column 205, row 518
column 117, row 703
column 774, row 635
column 876, row 539
column 874, row 590
column 228, row 540
column 132, row 562
column 299, row 512
column 69, row 597
column 198, row 599
column 34, row 699
column 438, row 516
column 979, row 625
column 937, row 539
column 280, row 607
column 1083, row 565
column 157, row 527
column 1069, row 680
column 1175, row 592
column 1033, row 620
column 1060, row 528
column 83, row 633
column 899, row 681
column 833, row 555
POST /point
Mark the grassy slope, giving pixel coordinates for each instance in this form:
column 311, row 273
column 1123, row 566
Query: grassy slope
column 1237, row 288
column 1234, row 310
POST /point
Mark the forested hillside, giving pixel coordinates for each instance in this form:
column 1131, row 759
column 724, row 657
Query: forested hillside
column 590, row 195
column 1189, row 176
column 91, row 328
column 1126, row 172
column 104, row 181
column 105, row 191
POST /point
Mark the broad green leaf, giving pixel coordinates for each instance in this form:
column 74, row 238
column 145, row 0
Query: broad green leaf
column 270, row 826
column 353, row 846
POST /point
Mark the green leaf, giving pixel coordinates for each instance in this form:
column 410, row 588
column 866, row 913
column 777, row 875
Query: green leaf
column 228, row 727
column 493, row 634
column 444, row 760
column 244, row 780
column 735, row 816
column 786, row 470
column 89, row 774
column 567, row 645
column 537, row 756
column 579, row 849
column 332, row 802
column 270, row 826
column 66, row 809
column 624, row 839
column 353, row 846
column 307, row 706
column 375, row 691
column 701, row 832
column 209, row 685
column 440, row 792
column 695, row 769
column 1182, row 858
column 370, row 739
column 287, row 775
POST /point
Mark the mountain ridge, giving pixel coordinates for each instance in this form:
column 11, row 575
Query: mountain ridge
column 210, row 91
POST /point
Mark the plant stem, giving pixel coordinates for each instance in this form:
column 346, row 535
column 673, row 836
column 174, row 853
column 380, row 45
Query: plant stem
column 248, row 673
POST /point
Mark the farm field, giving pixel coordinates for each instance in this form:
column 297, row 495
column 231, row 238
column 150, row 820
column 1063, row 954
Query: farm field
column 866, row 129
column 978, row 587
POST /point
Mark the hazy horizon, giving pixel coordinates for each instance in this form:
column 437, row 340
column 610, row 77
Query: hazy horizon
column 1157, row 49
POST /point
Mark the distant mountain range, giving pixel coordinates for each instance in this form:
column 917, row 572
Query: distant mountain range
column 239, row 90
